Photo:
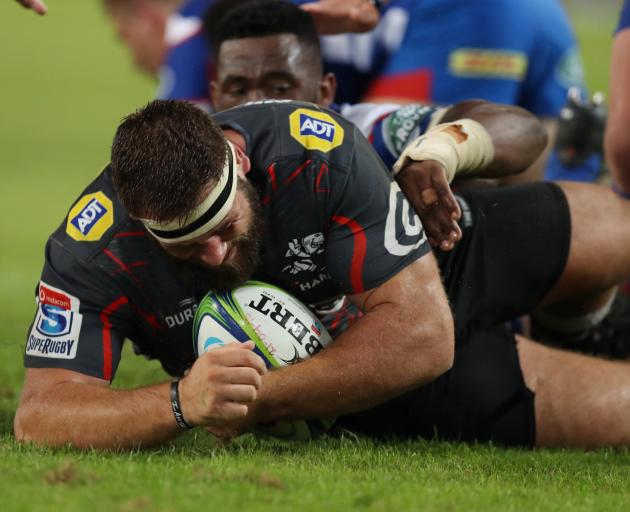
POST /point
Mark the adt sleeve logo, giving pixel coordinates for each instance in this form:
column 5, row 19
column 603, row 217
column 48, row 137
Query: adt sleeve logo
column 315, row 130
column 55, row 332
column 90, row 218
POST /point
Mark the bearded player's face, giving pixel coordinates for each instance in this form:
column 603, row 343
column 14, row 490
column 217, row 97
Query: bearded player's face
column 227, row 255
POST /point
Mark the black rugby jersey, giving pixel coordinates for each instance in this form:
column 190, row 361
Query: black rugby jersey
column 336, row 224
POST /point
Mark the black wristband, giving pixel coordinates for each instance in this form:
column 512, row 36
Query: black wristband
column 177, row 408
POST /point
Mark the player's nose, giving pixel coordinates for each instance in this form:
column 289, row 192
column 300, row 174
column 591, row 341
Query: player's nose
column 255, row 95
column 213, row 252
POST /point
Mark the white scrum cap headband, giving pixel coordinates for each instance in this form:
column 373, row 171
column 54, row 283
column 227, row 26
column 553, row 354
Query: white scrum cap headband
column 210, row 212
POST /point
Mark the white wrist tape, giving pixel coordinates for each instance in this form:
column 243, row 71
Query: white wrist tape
column 461, row 147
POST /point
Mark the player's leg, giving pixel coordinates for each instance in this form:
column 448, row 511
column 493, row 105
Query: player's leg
column 580, row 401
column 599, row 252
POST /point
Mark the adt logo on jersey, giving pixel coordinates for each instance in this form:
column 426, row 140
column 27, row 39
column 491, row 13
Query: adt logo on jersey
column 315, row 130
column 90, row 218
column 57, row 325
column 310, row 126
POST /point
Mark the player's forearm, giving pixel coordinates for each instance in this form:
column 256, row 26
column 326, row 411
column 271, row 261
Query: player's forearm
column 89, row 416
column 617, row 141
column 382, row 355
column 518, row 136
column 617, row 149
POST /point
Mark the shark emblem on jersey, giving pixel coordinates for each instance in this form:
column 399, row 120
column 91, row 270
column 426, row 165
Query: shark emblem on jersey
column 301, row 252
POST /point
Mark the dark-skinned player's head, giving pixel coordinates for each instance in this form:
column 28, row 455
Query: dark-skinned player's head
column 266, row 49
column 175, row 171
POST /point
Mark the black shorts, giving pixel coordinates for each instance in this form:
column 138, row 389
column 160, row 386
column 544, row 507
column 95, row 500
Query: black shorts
column 514, row 247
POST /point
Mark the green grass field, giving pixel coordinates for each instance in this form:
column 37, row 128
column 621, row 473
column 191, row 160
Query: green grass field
column 65, row 84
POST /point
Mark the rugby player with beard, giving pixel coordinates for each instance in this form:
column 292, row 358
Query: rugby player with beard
column 429, row 356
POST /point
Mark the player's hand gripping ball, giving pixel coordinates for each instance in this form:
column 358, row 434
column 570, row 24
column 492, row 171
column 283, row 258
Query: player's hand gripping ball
column 283, row 329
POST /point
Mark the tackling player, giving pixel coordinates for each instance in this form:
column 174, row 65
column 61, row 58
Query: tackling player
column 187, row 206
column 271, row 49
column 519, row 52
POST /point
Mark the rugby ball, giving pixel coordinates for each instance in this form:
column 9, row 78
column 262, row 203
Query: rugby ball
column 283, row 329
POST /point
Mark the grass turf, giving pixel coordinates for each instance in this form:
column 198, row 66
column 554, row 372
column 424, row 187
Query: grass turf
column 65, row 86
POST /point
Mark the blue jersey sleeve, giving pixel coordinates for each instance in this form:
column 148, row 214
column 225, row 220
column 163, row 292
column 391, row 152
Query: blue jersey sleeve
column 624, row 19
column 188, row 66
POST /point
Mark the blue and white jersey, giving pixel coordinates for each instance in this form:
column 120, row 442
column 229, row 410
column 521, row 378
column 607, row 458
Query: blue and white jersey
column 520, row 52
column 188, row 67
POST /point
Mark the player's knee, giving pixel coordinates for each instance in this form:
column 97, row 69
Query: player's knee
column 443, row 346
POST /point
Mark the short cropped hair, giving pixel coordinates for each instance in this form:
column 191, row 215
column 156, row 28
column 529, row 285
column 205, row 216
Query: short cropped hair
column 241, row 19
column 164, row 156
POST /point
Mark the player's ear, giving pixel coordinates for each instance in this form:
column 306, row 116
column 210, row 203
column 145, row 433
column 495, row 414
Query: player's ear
column 327, row 89
column 242, row 160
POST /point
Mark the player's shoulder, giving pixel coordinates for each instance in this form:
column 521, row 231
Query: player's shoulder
column 276, row 128
column 92, row 221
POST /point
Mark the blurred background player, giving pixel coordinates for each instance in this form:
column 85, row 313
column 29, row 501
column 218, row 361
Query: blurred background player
column 520, row 52
column 166, row 41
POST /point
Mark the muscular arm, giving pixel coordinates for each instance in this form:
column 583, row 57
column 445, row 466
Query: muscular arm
column 518, row 138
column 404, row 340
column 60, row 407
column 617, row 141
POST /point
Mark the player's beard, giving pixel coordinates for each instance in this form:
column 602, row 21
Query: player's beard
column 246, row 249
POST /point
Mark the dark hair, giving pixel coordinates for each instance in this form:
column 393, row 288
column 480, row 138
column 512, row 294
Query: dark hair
column 163, row 156
column 239, row 19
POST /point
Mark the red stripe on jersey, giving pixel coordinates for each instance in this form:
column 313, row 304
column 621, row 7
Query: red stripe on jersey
column 152, row 320
column 297, row 172
column 271, row 172
column 358, row 253
column 121, row 264
column 125, row 234
column 105, row 317
column 322, row 170
column 412, row 86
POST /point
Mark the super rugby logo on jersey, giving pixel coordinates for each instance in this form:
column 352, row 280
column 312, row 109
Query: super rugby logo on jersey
column 57, row 325
column 90, row 218
column 315, row 130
